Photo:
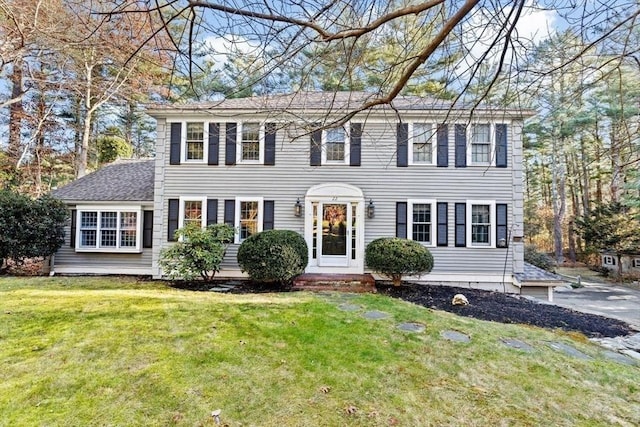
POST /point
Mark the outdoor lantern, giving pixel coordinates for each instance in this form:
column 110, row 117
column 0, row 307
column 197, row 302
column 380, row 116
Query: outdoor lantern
column 502, row 243
column 297, row 208
column 371, row 209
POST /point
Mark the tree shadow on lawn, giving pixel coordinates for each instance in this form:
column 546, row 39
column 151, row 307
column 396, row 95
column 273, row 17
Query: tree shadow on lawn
column 483, row 305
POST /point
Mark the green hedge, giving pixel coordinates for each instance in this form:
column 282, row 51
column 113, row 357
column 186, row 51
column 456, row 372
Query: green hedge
column 273, row 256
column 395, row 257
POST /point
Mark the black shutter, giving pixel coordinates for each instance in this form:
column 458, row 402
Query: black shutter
column 315, row 156
column 214, row 143
column 443, row 145
column 355, row 144
column 270, row 144
column 147, row 229
column 72, row 229
column 174, row 149
column 501, row 145
column 443, row 224
column 267, row 216
column 501, row 225
column 230, row 144
column 402, row 141
column 461, row 146
column 230, row 212
column 401, row 220
column 212, row 211
column 461, row 227
column 174, row 212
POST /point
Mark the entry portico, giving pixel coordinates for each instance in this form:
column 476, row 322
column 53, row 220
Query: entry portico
column 334, row 228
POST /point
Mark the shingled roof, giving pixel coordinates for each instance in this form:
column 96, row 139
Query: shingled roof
column 123, row 180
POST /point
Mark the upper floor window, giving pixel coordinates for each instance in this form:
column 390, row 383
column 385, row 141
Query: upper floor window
column 106, row 230
column 251, row 144
column 481, row 144
column 420, row 221
column 336, row 145
column 422, row 143
column 194, row 141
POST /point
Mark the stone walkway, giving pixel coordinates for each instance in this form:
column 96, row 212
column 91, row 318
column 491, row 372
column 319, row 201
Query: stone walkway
column 624, row 350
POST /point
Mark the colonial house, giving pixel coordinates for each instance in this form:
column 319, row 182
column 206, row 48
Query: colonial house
column 446, row 176
column 630, row 264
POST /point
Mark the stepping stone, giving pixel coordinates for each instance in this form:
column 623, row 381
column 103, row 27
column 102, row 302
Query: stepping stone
column 455, row 336
column 568, row 350
column 349, row 307
column 375, row 315
column 221, row 289
column 411, row 327
column 517, row 344
column 620, row 358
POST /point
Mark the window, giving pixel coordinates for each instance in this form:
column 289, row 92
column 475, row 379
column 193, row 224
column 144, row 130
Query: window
column 336, row 145
column 481, row 220
column 194, row 141
column 636, row 263
column 422, row 143
column 106, row 230
column 248, row 219
column 608, row 260
column 481, row 143
column 421, row 215
column 251, row 143
column 192, row 211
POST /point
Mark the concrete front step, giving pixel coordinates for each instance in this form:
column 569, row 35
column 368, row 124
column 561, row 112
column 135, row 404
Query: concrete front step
column 335, row 282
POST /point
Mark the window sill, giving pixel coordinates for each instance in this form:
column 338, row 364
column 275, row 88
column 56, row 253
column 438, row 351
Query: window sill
column 109, row 250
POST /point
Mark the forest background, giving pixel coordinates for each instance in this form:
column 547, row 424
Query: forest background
column 75, row 77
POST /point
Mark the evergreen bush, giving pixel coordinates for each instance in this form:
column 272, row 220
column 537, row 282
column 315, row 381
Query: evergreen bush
column 395, row 257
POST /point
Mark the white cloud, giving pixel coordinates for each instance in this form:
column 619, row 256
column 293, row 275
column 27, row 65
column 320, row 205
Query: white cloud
column 217, row 49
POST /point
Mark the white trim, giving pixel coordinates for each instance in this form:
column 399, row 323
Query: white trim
column 261, row 143
column 205, row 142
column 347, row 146
column 140, row 271
column 434, row 144
column 236, row 219
column 492, row 223
column 432, row 232
column 492, row 144
column 99, row 209
column 183, row 199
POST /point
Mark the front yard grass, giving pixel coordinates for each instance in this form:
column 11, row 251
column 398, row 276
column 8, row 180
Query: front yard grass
column 113, row 351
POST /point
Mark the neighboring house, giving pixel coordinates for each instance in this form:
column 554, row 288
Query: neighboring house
column 424, row 169
column 630, row 263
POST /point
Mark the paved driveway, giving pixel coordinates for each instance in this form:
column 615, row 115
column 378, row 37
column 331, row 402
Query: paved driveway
column 607, row 300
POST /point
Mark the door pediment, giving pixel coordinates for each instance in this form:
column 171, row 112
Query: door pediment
column 336, row 189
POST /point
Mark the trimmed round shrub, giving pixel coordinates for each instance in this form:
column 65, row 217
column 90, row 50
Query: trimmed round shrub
column 395, row 257
column 273, row 256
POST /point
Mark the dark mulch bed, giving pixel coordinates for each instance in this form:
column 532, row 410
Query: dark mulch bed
column 504, row 308
column 483, row 305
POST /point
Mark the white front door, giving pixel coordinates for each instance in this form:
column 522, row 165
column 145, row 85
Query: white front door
column 334, row 228
column 334, row 238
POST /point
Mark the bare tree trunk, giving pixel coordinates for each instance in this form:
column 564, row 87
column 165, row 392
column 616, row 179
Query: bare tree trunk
column 586, row 208
column 16, row 113
column 616, row 169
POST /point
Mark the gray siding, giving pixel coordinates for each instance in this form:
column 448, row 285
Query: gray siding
column 378, row 177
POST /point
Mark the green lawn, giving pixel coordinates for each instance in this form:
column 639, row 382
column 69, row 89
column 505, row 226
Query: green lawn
column 110, row 351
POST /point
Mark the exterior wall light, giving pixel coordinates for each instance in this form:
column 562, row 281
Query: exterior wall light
column 502, row 243
column 371, row 209
column 297, row 208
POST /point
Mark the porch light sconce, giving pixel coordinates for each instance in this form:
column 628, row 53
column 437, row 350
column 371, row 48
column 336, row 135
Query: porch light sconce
column 297, row 208
column 371, row 209
column 502, row 243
